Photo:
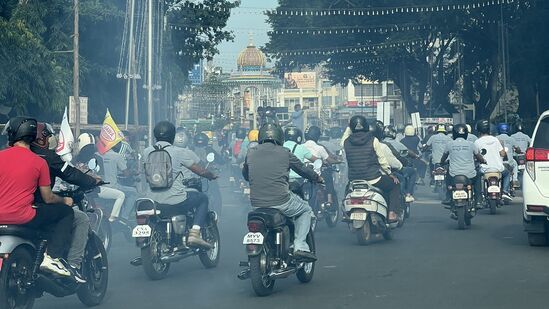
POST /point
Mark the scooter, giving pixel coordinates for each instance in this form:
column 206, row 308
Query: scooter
column 367, row 212
column 21, row 280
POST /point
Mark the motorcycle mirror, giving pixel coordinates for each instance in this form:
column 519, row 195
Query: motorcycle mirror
column 483, row 152
column 210, row 157
column 92, row 165
column 317, row 164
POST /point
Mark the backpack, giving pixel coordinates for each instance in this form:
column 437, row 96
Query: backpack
column 237, row 147
column 158, row 169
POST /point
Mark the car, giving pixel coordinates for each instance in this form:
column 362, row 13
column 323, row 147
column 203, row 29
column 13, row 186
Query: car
column 535, row 184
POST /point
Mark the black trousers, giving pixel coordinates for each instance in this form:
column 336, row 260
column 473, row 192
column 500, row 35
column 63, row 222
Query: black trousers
column 57, row 219
column 392, row 192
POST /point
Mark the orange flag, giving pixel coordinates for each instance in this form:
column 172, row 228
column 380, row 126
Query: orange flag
column 110, row 135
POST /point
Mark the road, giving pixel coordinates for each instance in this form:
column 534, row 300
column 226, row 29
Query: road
column 428, row 264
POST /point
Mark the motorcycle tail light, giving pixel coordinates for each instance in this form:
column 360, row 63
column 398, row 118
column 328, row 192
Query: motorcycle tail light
column 358, row 201
column 255, row 226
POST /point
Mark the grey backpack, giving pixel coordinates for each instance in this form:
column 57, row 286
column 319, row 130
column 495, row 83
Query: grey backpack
column 158, row 168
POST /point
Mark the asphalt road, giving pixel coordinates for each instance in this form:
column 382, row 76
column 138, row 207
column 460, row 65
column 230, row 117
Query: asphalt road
column 428, row 264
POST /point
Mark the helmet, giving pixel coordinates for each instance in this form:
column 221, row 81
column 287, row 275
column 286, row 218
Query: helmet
column 483, row 127
column 241, row 133
column 293, row 134
column 409, row 130
column 431, row 129
column 503, row 128
column 441, row 128
column 449, row 128
column 469, row 129
column 377, row 129
column 253, row 135
column 201, row 140
column 164, row 131
column 518, row 127
column 84, row 140
column 20, row 129
column 313, row 133
column 43, row 133
column 390, row 132
column 459, row 130
column 358, row 124
column 271, row 132
column 181, row 139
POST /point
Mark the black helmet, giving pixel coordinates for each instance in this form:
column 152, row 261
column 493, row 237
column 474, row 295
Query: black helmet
column 241, row 133
column 271, row 132
column 377, row 129
column 20, row 129
column 201, row 140
column 358, row 124
column 313, row 133
column 164, row 131
column 483, row 127
column 459, row 130
column 390, row 132
column 293, row 134
column 518, row 127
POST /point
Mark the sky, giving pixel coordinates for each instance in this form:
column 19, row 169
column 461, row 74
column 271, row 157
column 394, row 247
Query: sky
column 245, row 19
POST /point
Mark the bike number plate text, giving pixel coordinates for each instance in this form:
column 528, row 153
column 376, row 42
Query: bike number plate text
column 253, row 239
column 493, row 189
column 521, row 167
column 439, row 177
column 141, row 231
column 246, row 190
column 361, row 216
column 460, row 195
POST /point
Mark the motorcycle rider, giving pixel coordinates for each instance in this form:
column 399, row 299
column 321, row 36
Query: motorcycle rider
column 178, row 198
column 412, row 142
column 21, row 173
column 366, row 161
column 494, row 156
column 293, row 138
column 461, row 154
column 202, row 148
column 510, row 146
column 266, row 168
column 438, row 143
column 470, row 136
column 72, row 175
column 522, row 140
column 252, row 142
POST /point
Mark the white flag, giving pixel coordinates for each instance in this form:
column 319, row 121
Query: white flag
column 66, row 140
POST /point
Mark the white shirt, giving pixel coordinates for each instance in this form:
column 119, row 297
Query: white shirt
column 493, row 158
column 316, row 150
column 394, row 163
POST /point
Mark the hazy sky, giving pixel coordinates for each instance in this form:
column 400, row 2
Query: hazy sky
column 245, row 19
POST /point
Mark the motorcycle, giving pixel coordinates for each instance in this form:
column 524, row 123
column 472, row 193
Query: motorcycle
column 491, row 191
column 462, row 207
column 367, row 212
column 324, row 209
column 21, row 280
column 439, row 175
column 163, row 239
column 270, row 254
column 521, row 162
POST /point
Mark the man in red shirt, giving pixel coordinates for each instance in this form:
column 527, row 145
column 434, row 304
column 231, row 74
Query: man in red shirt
column 21, row 172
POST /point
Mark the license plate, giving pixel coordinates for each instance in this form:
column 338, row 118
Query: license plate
column 361, row 216
column 253, row 239
column 521, row 167
column 231, row 179
column 460, row 195
column 141, row 231
column 493, row 189
column 439, row 177
column 247, row 191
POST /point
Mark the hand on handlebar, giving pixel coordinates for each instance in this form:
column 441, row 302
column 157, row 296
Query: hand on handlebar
column 68, row 201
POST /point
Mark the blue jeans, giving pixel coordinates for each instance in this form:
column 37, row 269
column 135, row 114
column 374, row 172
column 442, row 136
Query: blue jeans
column 302, row 214
column 407, row 177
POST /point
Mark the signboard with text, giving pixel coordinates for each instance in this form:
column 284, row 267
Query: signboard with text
column 300, row 80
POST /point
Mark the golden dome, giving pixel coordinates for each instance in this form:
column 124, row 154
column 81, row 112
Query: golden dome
column 251, row 57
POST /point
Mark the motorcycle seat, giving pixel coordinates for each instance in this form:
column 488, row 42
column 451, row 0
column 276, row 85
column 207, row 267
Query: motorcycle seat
column 461, row 180
column 272, row 217
column 18, row 230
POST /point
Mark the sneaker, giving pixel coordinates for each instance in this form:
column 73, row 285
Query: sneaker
column 506, row 196
column 195, row 240
column 76, row 274
column 54, row 266
column 409, row 198
column 304, row 255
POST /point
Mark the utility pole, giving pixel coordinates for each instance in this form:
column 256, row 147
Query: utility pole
column 504, row 64
column 75, row 70
column 149, row 70
column 130, row 63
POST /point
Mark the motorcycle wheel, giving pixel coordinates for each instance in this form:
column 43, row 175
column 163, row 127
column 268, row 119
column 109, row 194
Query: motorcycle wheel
column 259, row 268
column 154, row 268
column 305, row 274
column 461, row 217
column 332, row 216
column 364, row 234
column 493, row 206
column 441, row 192
column 95, row 269
column 19, row 264
column 210, row 258
column 407, row 210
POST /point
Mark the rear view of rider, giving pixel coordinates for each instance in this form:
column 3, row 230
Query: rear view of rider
column 366, row 161
column 178, row 199
column 21, row 173
column 522, row 140
column 293, row 138
column 266, row 168
column 510, row 145
column 438, row 142
column 461, row 154
column 412, row 142
column 494, row 155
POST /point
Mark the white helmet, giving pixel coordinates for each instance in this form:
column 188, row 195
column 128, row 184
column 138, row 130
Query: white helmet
column 85, row 139
column 469, row 129
column 409, row 130
column 181, row 139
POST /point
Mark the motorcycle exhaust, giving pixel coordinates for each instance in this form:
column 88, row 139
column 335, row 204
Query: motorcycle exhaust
column 51, row 286
column 282, row 274
column 176, row 257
